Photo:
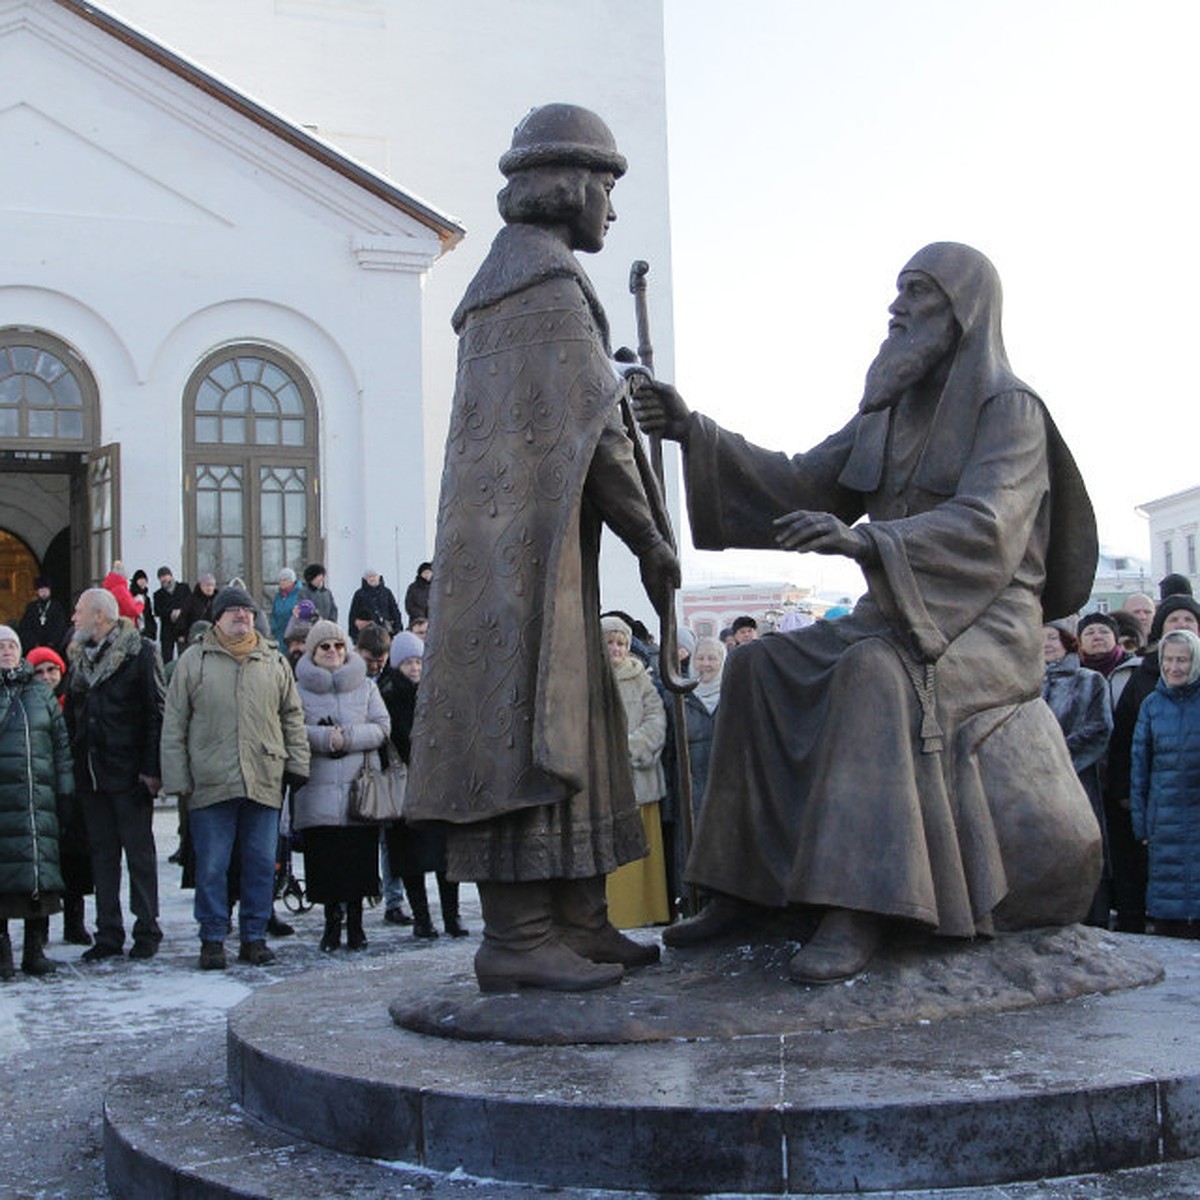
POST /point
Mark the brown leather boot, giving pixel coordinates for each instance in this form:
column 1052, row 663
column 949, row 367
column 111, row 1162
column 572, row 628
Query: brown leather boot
column 520, row 948
column 581, row 922
column 845, row 941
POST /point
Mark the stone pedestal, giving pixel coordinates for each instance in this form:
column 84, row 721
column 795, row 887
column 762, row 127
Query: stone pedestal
column 688, row 1079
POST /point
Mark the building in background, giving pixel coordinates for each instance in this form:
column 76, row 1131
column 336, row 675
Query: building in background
column 224, row 321
column 1174, row 525
column 1117, row 578
column 708, row 610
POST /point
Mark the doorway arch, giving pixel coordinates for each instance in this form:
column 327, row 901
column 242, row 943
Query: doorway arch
column 57, row 485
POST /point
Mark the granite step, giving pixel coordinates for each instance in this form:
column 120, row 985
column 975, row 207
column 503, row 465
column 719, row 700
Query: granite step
column 176, row 1135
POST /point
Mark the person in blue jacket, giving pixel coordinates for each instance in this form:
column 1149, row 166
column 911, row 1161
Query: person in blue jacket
column 1165, row 787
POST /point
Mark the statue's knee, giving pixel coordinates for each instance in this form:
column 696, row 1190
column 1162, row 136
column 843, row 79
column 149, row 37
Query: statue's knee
column 873, row 662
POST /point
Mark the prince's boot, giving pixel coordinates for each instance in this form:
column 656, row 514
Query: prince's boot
column 581, row 921
column 520, row 947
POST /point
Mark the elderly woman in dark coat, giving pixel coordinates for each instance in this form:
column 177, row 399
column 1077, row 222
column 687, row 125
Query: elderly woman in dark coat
column 414, row 851
column 707, row 666
column 1129, row 855
column 35, row 769
column 1165, row 786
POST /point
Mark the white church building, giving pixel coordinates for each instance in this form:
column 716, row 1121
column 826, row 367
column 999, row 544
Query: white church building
column 224, row 320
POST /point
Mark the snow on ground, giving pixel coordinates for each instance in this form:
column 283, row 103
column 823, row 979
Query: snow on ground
column 65, row 1038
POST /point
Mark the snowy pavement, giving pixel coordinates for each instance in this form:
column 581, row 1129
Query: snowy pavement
column 64, row 1039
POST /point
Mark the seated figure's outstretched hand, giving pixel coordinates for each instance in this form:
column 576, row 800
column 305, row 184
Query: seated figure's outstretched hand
column 821, row 533
column 660, row 575
column 660, row 409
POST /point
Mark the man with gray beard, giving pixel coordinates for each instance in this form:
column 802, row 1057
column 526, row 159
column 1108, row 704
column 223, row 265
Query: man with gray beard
column 897, row 768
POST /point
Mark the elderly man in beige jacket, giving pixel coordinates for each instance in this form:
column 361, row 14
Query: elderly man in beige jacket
column 233, row 734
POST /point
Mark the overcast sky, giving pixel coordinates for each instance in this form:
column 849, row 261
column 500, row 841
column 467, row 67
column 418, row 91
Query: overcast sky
column 815, row 146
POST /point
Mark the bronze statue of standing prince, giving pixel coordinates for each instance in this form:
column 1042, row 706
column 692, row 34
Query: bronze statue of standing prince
column 519, row 740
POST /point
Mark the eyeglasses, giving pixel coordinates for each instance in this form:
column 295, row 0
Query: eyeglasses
column 331, row 646
column 240, row 608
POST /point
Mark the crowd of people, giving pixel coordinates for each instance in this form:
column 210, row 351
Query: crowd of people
column 1123, row 686
column 258, row 719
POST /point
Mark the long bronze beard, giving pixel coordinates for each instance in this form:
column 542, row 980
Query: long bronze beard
column 903, row 361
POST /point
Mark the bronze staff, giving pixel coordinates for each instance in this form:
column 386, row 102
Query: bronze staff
column 676, row 684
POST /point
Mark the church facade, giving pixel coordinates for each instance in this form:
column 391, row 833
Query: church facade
column 207, row 318
column 224, row 334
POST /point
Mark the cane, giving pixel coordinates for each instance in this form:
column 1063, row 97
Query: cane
column 675, row 683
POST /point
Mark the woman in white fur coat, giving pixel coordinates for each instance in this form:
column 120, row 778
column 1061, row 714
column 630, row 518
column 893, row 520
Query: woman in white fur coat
column 347, row 722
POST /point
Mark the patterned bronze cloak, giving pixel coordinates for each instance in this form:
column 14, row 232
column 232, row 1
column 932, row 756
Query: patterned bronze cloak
column 519, row 739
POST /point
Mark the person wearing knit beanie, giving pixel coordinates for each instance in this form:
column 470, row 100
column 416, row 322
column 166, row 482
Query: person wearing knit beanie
column 405, row 645
column 43, row 655
column 325, row 631
column 1174, row 585
column 413, row 852
column 1099, row 648
column 232, row 597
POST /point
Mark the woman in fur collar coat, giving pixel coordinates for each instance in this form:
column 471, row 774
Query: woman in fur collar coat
column 347, row 722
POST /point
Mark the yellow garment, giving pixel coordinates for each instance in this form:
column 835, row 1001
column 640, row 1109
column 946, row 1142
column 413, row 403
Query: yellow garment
column 637, row 892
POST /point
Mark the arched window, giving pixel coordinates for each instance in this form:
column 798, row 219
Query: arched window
column 47, row 394
column 251, row 467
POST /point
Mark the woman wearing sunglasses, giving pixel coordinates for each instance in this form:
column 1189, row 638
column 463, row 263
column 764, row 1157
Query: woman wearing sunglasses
column 346, row 719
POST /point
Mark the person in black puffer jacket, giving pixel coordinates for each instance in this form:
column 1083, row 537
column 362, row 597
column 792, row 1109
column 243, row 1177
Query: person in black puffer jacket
column 374, row 604
column 114, row 716
column 35, row 770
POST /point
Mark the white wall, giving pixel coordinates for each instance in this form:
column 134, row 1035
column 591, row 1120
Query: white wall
column 147, row 224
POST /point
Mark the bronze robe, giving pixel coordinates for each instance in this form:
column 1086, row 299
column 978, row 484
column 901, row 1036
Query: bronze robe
column 519, row 738
column 899, row 760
